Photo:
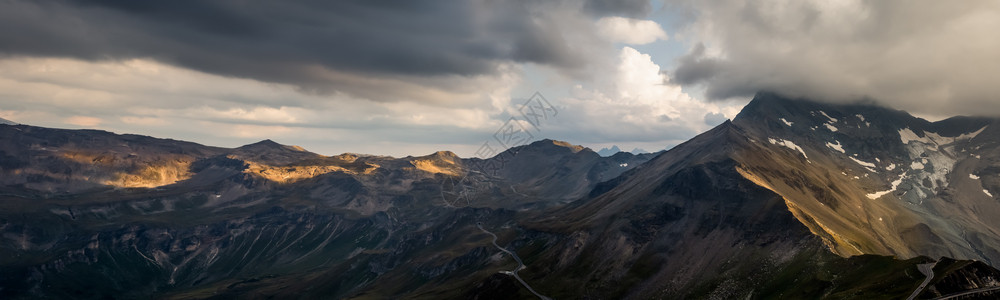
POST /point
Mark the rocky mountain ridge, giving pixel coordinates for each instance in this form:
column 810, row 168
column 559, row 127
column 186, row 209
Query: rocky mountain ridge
column 791, row 199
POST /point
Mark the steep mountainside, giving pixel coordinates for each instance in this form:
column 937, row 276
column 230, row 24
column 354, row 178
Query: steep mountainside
column 721, row 215
column 872, row 180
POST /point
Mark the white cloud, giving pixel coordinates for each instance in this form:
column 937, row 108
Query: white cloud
column 636, row 106
column 147, row 97
column 630, row 31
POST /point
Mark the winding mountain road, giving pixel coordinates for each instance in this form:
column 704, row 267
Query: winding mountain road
column 520, row 264
column 969, row 292
column 926, row 269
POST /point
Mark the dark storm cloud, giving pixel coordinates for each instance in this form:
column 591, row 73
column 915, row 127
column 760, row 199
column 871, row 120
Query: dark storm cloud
column 694, row 67
column 301, row 42
column 628, row 8
column 933, row 57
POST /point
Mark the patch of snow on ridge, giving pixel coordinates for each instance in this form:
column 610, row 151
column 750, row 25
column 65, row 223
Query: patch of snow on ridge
column 895, row 184
column 860, row 117
column 830, row 127
column 906, row 136
column 788, row 144
column 944, row 140
column 828, row 116
column 786, row 122
column 890, row 167
column 836, row 146
column 862, row 163
column 973, row 176
column 971, row 135
column 987, row 192
column 916, row 165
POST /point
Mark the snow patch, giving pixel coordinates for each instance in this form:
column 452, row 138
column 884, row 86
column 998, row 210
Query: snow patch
column 786, row 122
column 836, row 146
column 973, row 176
column 916, row 165
column 906, row 136
column 830, row 127
column 860, row 117
column 890, row 167
column 987, row 192
column 623, row 165
column 895, row 184
column 828, row 116
column 788, row 144
column 970, row 135
column 862, row 163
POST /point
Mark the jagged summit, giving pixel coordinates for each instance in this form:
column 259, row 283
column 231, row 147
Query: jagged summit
column 770, row 110
column 548, row 143
column 609, row 151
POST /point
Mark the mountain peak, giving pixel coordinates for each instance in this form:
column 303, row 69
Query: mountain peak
column 274, row 153
column 609, row 151
column 773, row 112
column 549, row 143
column 268, row 144
column 638, row 150
column 445, row 154
column 263, row 143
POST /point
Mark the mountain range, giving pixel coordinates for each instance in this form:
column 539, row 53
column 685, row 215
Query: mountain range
column 792, row 199
column 614, row 149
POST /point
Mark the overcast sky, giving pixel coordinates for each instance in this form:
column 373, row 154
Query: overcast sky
column 401, row 77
